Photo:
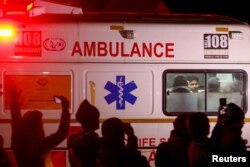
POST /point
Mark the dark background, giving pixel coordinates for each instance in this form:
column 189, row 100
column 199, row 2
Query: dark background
column 238, row 9
column 235, row 8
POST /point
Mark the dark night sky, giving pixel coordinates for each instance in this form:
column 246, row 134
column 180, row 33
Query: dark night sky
column 237, row 8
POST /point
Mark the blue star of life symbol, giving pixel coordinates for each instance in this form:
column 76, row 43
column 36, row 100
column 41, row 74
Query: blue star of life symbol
column 120, row 92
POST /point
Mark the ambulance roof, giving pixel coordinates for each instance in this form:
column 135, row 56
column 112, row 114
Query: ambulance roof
column 130, row 37
column 137, row 18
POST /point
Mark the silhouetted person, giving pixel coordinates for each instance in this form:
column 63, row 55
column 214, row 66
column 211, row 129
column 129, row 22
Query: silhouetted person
column 84, row 146
column 226, row 134
column 28, row 141
column 213, row 84
column 199, row 148
column 4, row 159
column 114, row 152
column 174, row 152
column 180, row 85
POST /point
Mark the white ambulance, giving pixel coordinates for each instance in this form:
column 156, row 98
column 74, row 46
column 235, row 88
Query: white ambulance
column 126, row 65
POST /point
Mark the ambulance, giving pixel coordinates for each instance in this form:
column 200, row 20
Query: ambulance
column 126, row 65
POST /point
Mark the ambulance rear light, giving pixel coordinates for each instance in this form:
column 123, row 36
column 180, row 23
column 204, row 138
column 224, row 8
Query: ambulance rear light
column 7, row 32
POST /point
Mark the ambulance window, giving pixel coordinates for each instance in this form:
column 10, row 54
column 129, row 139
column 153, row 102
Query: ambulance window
column 38, row 90
column 200, row 90
column 224, row 85
column 184, row 91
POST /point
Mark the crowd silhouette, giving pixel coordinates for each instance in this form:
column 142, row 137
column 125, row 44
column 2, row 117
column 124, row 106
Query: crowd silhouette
column 189, row 144
column 4, row 159
column 174, row 152
column 114, row 152
column 84, row 146
column 190, row 139
column 198, row 151
column 28, row 140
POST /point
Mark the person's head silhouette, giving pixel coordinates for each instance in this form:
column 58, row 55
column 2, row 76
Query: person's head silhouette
column 113, row 128
column 32, row 123
column 88, row 116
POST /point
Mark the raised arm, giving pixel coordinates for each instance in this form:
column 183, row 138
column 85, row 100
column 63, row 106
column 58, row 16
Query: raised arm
column 56, row 138
column 15, row 109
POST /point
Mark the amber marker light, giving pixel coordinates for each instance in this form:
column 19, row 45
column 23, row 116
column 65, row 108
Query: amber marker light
column 29, row 6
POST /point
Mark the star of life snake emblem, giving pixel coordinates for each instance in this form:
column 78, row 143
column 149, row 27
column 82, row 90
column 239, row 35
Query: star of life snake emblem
column 120, row 92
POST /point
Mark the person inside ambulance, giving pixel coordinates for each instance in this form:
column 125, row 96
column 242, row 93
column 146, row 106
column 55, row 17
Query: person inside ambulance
column 213, row 92
column 213, row 84
column 28, row 140
column 181, row 98
column 194, row 84
column 180, row 85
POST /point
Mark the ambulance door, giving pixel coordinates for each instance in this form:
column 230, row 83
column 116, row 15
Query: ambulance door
column 38, row 88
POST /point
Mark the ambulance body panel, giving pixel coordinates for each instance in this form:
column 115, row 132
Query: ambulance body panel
column 125, row 66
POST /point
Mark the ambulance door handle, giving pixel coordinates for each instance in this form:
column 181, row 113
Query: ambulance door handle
column 92, row 92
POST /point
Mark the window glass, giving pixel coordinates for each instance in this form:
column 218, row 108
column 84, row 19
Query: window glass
column 38, row 90
column 200, row 90
column 224, row 85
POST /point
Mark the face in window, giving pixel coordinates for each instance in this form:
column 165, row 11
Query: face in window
column 193, row 83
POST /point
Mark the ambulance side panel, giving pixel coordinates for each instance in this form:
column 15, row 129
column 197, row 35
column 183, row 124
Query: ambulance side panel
column 125, row 69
